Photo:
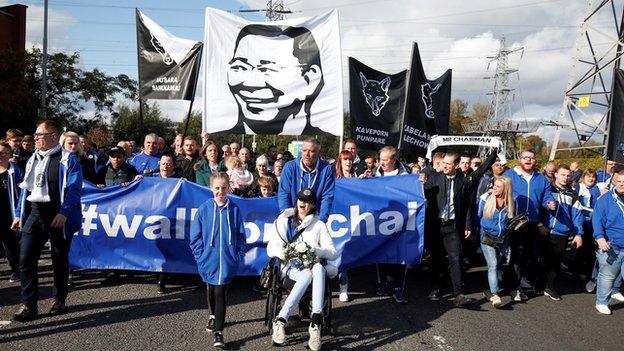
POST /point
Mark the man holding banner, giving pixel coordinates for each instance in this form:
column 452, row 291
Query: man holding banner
column 308, row 171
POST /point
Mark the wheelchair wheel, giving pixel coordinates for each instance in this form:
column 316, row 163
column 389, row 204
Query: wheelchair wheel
column 274, row 298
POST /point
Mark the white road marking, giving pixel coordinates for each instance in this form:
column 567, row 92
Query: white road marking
column 4, row 323
column 441, row 343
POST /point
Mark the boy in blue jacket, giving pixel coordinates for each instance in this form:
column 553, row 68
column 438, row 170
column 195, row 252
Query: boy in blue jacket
column 565, row 221
column 218, row 243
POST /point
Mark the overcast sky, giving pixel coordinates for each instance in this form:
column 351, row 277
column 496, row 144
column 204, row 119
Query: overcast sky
column 455, row 34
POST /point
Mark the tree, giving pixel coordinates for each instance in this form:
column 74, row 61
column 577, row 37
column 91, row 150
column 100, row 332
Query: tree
column 458, row 112
column 479, row 113
column 70, row 90
column 125, row 123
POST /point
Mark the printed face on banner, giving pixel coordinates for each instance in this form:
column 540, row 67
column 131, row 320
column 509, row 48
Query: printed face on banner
column 375, row 92
column 427, row 97
column 280, row 78
column 272, row 77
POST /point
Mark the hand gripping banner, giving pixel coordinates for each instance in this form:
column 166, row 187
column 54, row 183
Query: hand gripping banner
column 145, row 226
column 282, row 77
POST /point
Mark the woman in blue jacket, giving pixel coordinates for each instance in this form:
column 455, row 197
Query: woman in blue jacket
column 218, row 243
column 10, row 175
column 495, row 209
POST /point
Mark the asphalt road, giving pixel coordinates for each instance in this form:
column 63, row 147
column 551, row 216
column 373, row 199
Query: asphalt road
column 133, row 316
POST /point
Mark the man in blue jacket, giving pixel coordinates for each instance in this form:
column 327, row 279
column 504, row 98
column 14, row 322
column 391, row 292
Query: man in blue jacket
column 50, row 210
column 608, row 223
column 308, row 171
column 563, row 222
column 532, row 194
column 148, row 161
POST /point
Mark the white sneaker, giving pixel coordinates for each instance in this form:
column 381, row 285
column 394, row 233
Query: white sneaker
column 315, row 337
column 279, row 332
column 343, row 297
column 604, row 309
column 496, row 301
column 618, row 296
column 590, row 286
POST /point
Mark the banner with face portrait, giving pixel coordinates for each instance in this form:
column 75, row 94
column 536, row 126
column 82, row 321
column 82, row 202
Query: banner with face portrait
column 427, row 108
column 376, row 102
column 282, row 77
column 168, row 65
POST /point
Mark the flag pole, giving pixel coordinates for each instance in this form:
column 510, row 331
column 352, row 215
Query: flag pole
column 138, row 18
column 190, row 110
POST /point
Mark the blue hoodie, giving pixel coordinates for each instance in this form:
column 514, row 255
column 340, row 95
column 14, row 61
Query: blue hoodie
column 16, row 176
column 608, row 219
column 529, row 196
column 218, row 241
column 587, row 198
column 497, row 225
column 295, row 178
column 567, row 218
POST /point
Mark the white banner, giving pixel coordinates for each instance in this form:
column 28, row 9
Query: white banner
column 453, row 140
column 282, row 77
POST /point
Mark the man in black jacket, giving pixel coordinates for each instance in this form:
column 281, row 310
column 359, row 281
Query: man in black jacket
column 449, row 196
column 187, row 159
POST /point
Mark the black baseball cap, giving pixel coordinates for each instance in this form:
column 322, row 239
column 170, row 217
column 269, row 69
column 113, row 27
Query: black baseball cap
column 116, row 151
column 307, row 195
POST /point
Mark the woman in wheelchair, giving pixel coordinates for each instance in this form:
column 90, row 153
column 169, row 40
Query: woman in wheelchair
column 300, row 227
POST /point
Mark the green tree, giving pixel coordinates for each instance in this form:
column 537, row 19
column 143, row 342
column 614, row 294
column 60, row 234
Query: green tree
column 458, row 115
column 70, row 91
column 125, row 122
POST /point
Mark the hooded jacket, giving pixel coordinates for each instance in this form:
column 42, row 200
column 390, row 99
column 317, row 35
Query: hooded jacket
column 567, row 218
column 314, row 234
column 16, row 175
column 497, row 224
column 295, row 177
column 532, row 195
column 218, row 241
column 70, row 190
column 608, row 219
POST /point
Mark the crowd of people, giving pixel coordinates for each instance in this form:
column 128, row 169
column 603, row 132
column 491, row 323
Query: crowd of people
column 522, row 222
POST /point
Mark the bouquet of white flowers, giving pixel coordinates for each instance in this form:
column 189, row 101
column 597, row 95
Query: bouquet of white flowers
column 300, row 255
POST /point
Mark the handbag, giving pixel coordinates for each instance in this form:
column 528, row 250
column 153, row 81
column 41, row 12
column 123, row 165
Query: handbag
column 518, row 221
column 266, row 276
column 491, row 240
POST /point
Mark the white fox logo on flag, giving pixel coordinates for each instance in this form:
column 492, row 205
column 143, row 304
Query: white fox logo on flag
column 427, row 92
column 375, row 92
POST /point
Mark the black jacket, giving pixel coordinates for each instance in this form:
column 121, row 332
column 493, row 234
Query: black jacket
column 435, row 191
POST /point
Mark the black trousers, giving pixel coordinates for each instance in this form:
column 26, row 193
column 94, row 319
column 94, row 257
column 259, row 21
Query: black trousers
column 392, row 274
column 446, row 243
column 524, row 254
column 36, row 231
column 10, row 241
column 217, row 304
column 552, row 247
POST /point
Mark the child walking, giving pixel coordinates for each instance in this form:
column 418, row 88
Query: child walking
column 218, row 244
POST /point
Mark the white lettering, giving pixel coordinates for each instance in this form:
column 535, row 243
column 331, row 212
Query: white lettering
column 393, row 225
column 120, row 222
column 356, row 220
column 340, row 232
column 162, row 230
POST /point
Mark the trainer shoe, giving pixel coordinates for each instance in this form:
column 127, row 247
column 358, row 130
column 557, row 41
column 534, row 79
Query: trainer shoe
column 590, row 286
column 434, row 294
column 604, row 309
column 399, row 296
column 552, row 294
column 217, row 340
column 343, row 297
column 210, row 327
column 25, row 314
column 520, row 296
column 383, row 289
column 618, row 296
column 462, row 301
column 279, row 331
column 315, row 337
column 14, row 278
column 58, row 307
column 496, row 301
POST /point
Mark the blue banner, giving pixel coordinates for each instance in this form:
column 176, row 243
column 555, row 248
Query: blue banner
column 145, row 226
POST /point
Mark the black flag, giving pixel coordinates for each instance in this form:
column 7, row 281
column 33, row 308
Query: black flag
column 427, row 108
column 615, row 143
column 376, row 105
column 168, row 66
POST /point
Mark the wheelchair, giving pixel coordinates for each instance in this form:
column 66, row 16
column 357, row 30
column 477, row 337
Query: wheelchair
column 278, row 291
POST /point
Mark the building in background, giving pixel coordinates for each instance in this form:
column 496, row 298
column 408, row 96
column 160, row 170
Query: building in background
column 13, row 27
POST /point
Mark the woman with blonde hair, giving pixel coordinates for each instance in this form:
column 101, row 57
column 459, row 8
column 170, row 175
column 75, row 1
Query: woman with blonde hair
column 496, row 208
column 70, row 141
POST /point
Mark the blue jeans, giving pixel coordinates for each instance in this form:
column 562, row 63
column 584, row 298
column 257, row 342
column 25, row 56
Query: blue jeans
column 343, row 280
column 302, row 279
column 607, row 274
column 617, row 283
column 494, row 258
